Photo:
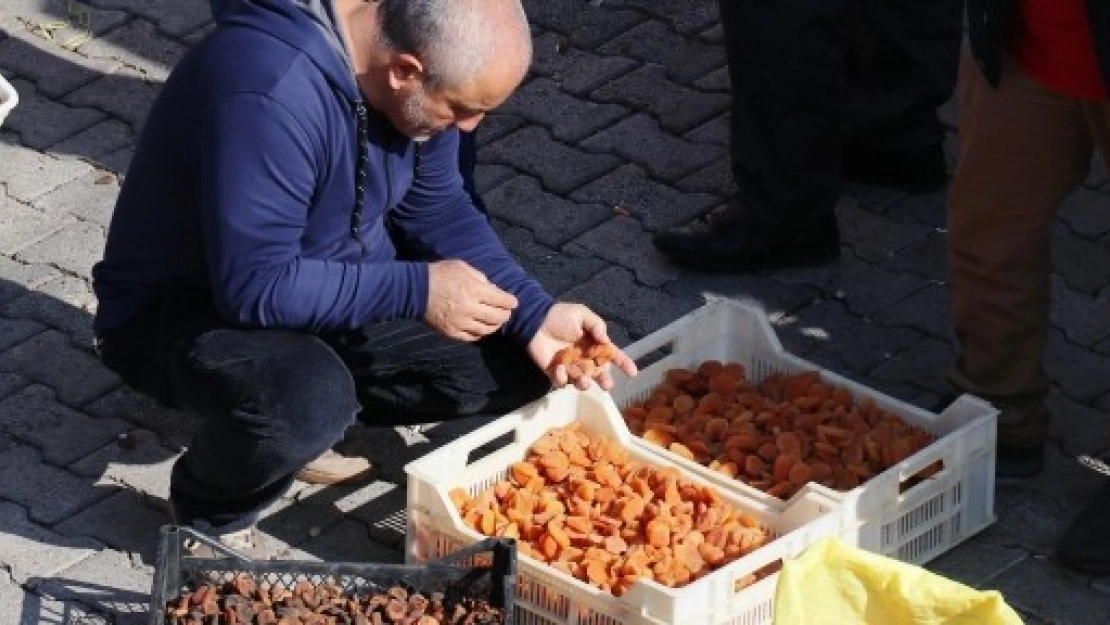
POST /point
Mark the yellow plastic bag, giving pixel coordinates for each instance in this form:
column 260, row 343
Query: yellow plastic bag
column 832, row 583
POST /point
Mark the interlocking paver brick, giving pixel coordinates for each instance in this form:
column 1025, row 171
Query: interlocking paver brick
column 122, row 521
column 136, row 459
column 927, row 257
column 1033, row 522
column 350, row 541
column 553, row 219
column 557, row 271
column 1037, row 585
column 1084, row 211
column 864, row 288
column 494, row 126
column 919, row 367
column 576, row 70
column 930, row 209
column 117, row 160
column 64, row 303
column 677, row 107
column 13, row 331
column 18, row 277
column 716, row 177
column 1078, row 315
column 688, row 17
column 925, row 309
column 98, row 141
column 27, row 17
column 126, row 95
column 774, row 297
column 41, row 122
column 54, row 70
column 714, row 131
column 110, row 583
column 622, row 240
column 174, row 427
column 488, row 176
column 640, row 139
column 1071, row 258
column 1081, row 374
column 27, row 174
column 172, row 16
column 874, row 237
column 614, row 294
column 75, row 375
column 716, row 80
column 11, row 382
column 561, row 167
column 585, row 24
column 24, row 225
column 822, row 328
column 657, row 206
column 49, row 494
column 1079, row 428
column 569, row 119
column 138, row 45
column 653, row 41
column 74, row 248
column 62, row 434
column 976, row 563
column 92, row 198
column 386, row 519
column 30, row 550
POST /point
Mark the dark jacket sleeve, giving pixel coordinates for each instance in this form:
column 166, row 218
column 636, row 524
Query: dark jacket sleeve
column 257, row 179
column 436, row 219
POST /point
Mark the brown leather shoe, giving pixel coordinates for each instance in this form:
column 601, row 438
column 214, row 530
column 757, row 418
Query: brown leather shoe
column 332, row 468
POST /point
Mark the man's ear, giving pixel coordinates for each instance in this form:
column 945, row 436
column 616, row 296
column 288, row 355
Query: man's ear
column 406, row 73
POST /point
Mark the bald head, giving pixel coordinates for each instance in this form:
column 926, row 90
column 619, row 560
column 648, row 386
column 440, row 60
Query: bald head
column 457, row 39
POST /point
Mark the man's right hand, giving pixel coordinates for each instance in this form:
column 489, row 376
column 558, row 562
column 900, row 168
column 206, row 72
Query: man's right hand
column 463, row 304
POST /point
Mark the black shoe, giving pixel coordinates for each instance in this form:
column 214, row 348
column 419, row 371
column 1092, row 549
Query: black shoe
column 1085, row 546
column 723, row 241
column 914, row 171
column 1018, row 461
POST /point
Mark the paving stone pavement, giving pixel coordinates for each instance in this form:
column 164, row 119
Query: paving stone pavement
column 619, row 131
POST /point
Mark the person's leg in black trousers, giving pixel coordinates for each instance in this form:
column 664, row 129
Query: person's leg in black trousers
column 902, row 64
column 785, row 62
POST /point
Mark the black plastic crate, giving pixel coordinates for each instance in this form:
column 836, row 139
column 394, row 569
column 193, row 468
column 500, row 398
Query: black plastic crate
column 486, row 570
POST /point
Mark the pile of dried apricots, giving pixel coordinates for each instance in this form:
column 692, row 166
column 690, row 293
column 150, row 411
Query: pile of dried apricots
column 579, row 503
column 775, row 435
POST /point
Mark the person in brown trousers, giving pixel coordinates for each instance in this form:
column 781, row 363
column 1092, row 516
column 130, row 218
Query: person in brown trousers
column 1033, row 107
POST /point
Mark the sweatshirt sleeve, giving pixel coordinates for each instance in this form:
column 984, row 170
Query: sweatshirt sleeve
column 257, row 174
column 438, row 220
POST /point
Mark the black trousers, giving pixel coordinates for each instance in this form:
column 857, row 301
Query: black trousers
column 809, row 75
column 273, row 400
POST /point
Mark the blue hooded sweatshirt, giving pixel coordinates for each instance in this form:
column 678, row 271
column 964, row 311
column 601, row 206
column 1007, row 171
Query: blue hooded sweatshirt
column 244, row 187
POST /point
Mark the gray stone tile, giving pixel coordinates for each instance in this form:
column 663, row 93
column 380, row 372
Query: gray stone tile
column 925, row 310
column 28, row 174
column 714, row 131
column 64, row 303
column 350, row 541
column 583, row 24
column 1078, row 314
column 872, row 237
column 13, row 331
column 175, row 18
column 556, row 271
column 49, row 494
column 919, row 367
column 614, row 294
column 974, row 563
column 1078, row 427
column 576, row 71
column 640, row 139
column 135, row 459
column 62, row 434
column 656, row 205
column 554, row 220
column 16, row 277
column 31, row 551
column 96, row 142
column 12, row 382
column 686, row 60
column 29, row 18
column 569, row 119
column 174, row 428
column 122, row 521
column 865, row 289
column 561, row 168
column 826, row 330
column 1037, row 585
column 24, row 226
column 677, row 107
column 74, row 248
column 623, row 241
column 1071, row 258
column 716, row 177
column 110, row 583
column 1081, row 373
column 126, row 95
column 53, row 69
column 138, row 45
column 75, row 375
column 91, row 198
column 1084, row 211
column 41, row 122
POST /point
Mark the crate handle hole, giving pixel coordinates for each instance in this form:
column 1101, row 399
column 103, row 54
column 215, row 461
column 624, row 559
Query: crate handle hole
column 493, row 446
column 654, row 356
column 767, row 570
column 925, row 473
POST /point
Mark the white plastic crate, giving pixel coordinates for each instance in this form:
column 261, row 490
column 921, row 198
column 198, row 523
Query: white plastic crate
column 8, row 98
column 547, row 596
column 914, row 526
